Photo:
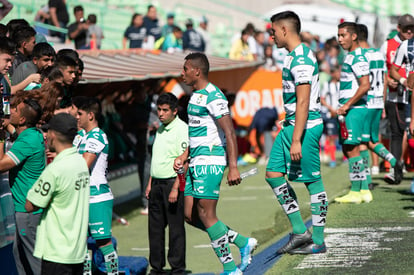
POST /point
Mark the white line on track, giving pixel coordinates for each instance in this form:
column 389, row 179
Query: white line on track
column 352, row 247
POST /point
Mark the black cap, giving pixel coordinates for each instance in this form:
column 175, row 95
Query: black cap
column 63, row 123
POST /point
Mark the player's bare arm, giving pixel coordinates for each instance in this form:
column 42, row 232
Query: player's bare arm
column 181, row 160
column 301, row 117
column 225, row 123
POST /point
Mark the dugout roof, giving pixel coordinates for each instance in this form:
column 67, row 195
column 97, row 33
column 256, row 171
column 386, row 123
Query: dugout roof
column 135, row 65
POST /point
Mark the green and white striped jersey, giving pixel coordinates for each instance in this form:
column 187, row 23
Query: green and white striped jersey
column 301, row 67
column 355, row 66
column 207, row 139
column 377, row 69
column 96, row 142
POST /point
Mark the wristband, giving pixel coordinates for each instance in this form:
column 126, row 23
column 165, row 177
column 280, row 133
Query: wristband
column 174, row 189
column 402, row 80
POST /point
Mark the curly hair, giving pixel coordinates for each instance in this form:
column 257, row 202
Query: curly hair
column 47, row 96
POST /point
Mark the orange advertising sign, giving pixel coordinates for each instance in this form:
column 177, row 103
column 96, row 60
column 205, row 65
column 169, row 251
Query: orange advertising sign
column 262, row 89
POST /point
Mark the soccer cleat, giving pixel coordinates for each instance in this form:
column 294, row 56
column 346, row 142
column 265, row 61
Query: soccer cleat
column 246, row 253
column 295, row 241
column 374, row 170
column 390, row 177
column 398, row 172
column 351, row 197
column 310, row 248
column 366, row 196
column 234, row 272
column 249, row 158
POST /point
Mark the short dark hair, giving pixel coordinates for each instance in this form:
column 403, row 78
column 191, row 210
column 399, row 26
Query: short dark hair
column 7, row 46
column 22, row 34
column 200, row 61
column 32, row 112
column 3, row 30
column 65, row 61
column 168, row 98
column 290, row 16
column 362, row 32
column 176, row 29
column 43, row 49
column 77, row 8
column 351, row 27
column 135, row 15
column 92, row 18
column 16, row 23
column 150, row 7
column 68, row 52
column 79, row 100
column 91, row 105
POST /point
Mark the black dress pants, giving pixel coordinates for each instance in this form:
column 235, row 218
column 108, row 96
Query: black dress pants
column 162, row 213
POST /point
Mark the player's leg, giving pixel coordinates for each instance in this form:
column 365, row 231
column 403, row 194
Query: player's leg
column 100, row 223
column 206, row 189
column 157, row 204
column 377, row 147
column 350, row 148
column 275, row 177
column 311, row 176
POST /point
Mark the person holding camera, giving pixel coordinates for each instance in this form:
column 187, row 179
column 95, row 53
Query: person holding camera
column 78, row 31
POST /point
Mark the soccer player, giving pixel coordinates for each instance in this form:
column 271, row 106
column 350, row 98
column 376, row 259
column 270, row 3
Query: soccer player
column 212, row 136
column 295, row 152
column 63, row 191
column 352, row 101
column 93, row 145
column 375, row 106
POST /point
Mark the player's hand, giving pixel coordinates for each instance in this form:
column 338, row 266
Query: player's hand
column 178, row 163
column 147, row 191
column 233, row 177
column 392, row 83
column 35, row 78
column 172, row 198
column 296, row 151
column 412, row 127
column 342, row 110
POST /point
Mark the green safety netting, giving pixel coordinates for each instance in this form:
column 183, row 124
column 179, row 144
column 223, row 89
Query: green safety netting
column 380, row 7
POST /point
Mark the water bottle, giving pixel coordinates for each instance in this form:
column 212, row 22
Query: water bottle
column 181, row 178
column 342, row 127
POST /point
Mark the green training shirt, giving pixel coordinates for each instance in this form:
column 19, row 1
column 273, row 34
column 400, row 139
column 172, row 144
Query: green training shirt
column 63, row 191
column 28, row 153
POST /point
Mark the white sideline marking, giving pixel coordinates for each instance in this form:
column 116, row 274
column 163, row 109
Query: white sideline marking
column 411, row 214
column 351, row 247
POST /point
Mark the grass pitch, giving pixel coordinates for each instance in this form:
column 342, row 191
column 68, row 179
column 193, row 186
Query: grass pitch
column 374, row 238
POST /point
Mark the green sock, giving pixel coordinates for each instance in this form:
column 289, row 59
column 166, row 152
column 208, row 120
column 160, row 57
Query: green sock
column 356, row 173
column 365, row 159
column 111, row 259
column 381, row 151
column 220, row 244
column 319, row 210
column 234, row 237
column 288, row 202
